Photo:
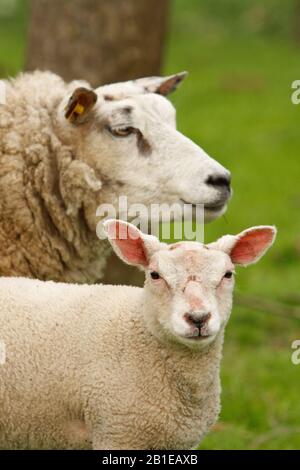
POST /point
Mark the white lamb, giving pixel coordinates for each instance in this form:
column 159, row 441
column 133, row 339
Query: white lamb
column 116, row 367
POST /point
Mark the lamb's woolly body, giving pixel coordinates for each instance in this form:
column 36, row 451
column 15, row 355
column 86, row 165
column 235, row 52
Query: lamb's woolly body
column 82, row 370
column 43, row 195
column 115, row 367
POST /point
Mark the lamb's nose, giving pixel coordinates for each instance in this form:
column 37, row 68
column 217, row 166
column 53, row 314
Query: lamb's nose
column 219, row 181
column 197, row 321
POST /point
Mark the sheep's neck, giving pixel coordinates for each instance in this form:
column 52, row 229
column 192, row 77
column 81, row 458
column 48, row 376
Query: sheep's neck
column 187, row 369
column 193, row 366
column 66, row 213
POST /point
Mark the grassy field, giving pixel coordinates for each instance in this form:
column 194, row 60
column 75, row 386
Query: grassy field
column 242, row 59
column 236, row 104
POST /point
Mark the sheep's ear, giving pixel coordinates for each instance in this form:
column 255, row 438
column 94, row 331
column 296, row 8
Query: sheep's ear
column 80, row 104
column 161, row 85
column 129, row 243
column 249, row 246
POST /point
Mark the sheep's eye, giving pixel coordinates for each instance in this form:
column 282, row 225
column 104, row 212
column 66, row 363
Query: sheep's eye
column 228, row 274
column 122, row 131
column 154, row 275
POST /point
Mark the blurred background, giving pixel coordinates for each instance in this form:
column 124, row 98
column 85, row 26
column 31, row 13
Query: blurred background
column 243, row 56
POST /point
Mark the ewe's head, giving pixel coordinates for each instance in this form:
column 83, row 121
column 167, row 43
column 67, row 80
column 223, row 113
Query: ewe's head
column 188, row 285
column 127, row 133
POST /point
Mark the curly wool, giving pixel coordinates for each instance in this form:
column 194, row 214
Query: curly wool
column 44, row 191
column 83, row 371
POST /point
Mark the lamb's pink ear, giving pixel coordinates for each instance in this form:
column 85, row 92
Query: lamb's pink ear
column 249, row 246
column 252, row 244
column 129, row 243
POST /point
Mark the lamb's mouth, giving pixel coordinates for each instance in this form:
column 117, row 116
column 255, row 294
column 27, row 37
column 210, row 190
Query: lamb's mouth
column 199, row 337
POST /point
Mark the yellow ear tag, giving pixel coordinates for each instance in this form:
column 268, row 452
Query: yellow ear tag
column 79, row 109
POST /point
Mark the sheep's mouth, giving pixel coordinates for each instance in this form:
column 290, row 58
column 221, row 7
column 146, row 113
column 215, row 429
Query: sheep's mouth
column 217, row 207
column 199, row 337
column 214, row 207
column 211, row 211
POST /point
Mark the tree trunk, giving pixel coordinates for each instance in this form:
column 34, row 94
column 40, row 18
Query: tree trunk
column 101, row 41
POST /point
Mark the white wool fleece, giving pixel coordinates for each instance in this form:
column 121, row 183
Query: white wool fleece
column 117, row 367
column 82, row 371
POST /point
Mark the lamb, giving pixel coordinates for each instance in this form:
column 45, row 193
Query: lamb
column 120, row 367
column 66, row 149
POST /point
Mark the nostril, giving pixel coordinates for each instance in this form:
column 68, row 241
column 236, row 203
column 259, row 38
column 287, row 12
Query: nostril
column 203, row 320
column 219, row 181
column 196, row 321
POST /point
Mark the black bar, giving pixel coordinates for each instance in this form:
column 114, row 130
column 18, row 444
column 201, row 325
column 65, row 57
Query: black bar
column 135, row 459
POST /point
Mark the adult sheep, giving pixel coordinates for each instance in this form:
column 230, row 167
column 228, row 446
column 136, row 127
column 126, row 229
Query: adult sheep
column 65, row 149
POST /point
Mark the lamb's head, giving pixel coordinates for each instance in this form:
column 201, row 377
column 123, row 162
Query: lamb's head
column 188, row 288
column 126, row 132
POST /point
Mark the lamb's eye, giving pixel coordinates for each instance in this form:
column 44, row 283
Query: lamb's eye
column 154, row 275
column 122, row 131
column 228, row 274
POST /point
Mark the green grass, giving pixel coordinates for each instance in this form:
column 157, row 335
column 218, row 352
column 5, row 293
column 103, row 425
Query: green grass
column 236, row 104
column 12, row 39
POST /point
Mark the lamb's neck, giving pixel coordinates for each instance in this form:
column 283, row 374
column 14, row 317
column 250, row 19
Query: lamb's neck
column 193, row 375
column 194, row 366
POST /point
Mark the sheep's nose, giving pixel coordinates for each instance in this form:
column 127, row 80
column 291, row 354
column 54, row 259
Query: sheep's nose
column 197, row 321
column 219, row 181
